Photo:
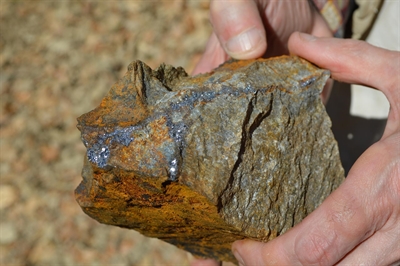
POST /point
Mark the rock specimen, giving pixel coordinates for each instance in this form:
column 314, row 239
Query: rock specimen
column 243, row 152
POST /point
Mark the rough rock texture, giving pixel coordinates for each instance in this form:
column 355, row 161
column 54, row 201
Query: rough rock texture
column 243, row 152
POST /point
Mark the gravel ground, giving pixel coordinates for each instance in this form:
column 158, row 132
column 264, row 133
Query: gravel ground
column 58, row 59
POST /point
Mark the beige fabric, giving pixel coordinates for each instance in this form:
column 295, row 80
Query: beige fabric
column 364, row 17
column 385, row 33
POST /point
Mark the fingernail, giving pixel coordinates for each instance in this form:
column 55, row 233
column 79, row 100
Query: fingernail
column 238, row 257
column 244, row 42
column 307, row 37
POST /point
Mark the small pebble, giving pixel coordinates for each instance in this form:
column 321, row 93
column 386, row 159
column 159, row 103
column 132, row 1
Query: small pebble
column 8, row 196
column 8, row 233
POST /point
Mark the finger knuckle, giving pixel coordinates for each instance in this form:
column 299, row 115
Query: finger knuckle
column 316, row 249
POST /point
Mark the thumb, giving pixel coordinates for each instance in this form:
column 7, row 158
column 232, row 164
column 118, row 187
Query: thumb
column 239, row 28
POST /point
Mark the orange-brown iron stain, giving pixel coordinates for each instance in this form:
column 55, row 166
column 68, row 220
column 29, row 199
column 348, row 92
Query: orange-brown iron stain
column 159, row 209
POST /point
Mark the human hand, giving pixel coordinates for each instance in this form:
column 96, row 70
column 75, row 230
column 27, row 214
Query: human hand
column 247, row 29
column 359, row 223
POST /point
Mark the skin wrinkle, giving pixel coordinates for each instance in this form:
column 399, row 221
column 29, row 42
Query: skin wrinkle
column 361, row 50
column 389, row 237
column 369, row 77
column 395, row 178
column 393, row 171
column 316, row 248
column 389, row 231
column 378, row 242
column 378, row 220
column 383, row 203
column 343, row 214
column 369, row 208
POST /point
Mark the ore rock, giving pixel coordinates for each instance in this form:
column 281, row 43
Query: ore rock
column 245, row 151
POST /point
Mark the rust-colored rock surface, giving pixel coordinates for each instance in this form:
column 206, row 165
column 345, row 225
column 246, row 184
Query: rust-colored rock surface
column 243, row 152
